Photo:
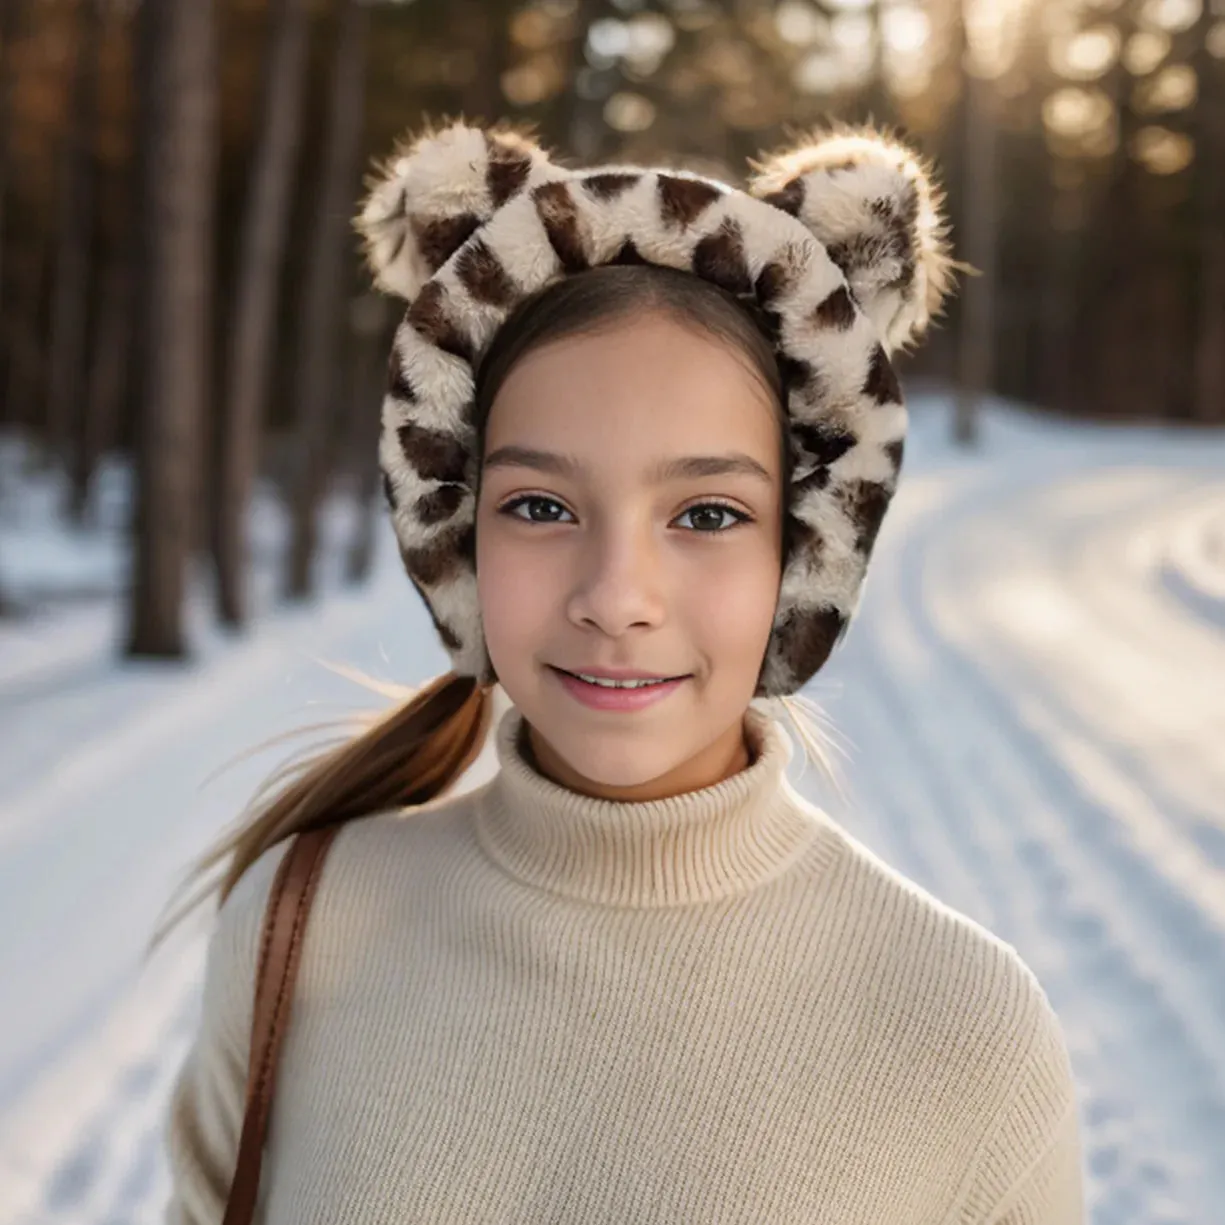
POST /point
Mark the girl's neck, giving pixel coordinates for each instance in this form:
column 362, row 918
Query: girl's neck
column 713, row 841
column 727, row 755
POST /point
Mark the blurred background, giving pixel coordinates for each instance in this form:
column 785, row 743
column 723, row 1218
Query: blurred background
column 195, row 561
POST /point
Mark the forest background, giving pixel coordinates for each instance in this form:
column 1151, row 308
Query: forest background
column 181, row 290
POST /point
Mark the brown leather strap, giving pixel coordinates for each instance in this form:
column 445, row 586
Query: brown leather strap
column 280, row 952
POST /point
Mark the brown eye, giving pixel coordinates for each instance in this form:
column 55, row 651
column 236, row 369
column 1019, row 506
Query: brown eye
column 711, row 517
column 538, row 509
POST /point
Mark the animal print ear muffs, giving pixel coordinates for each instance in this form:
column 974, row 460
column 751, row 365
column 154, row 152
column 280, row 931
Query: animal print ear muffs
column 839, row 241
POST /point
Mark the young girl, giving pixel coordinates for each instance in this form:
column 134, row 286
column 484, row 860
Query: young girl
column 640, row 434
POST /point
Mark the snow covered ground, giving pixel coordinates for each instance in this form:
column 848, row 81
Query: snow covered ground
column 1033, row 703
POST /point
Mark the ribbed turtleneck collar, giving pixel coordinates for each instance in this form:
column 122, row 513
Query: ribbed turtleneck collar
column 693, row 847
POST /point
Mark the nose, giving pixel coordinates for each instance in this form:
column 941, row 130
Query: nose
column 620, row 581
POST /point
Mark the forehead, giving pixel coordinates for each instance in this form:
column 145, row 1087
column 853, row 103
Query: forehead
column 640, row 388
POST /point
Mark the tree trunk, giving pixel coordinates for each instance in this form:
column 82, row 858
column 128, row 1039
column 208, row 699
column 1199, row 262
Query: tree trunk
column 1208, row 381
column 316, row 368
column 976, row 347
column 108, row 368
column 372, row 336
column 8, row 27
column 252, row 329
column 1098, row 384
column 581, row 124
column 26, row 359
column 482, row 96
column 74, row 233
column 110, row 343
column 177, row 90
column 20, row 290
column 1061, row 242
column 8, row 31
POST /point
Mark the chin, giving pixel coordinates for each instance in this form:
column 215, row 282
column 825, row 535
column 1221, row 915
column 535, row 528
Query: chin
column 626, row 757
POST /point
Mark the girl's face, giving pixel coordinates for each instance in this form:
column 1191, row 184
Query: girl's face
column 630, row 522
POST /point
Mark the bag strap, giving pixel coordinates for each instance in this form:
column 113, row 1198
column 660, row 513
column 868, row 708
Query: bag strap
column 293, row 890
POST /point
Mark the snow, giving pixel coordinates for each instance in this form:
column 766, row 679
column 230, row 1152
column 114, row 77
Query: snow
column 1033, row 706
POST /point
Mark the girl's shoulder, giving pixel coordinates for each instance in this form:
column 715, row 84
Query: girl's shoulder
column 974, row 990
column 369, row 854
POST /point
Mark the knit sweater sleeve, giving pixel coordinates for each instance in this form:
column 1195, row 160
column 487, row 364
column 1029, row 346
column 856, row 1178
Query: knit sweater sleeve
column 1029, row 1170
column 206, row 1106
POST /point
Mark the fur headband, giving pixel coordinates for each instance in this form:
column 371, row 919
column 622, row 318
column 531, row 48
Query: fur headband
column 839, row 241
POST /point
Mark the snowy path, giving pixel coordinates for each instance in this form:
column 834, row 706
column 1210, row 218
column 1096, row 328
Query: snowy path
column 1033, row 695
column 1055, row 769
column 103, row 804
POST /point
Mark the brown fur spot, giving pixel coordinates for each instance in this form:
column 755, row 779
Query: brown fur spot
column 882, row 381
column 771, row 324
column 559, row 215
column 432, row 321
column 439, row 505
column 895, row 451
column 854, row 254
column 431, row 563
column 898, row 244
column 628, row 254
column 720, row 258
column 799, row 377
column 509, row 167
column 882, row 208
column 789, row 198
column 774, row 279
column 398, row 383
column 450, row 639
column 903, row 280
column 820, row 443
column 440, row 237
column 481, row 273
column 683, row 201
column 837, row 311
column 608, row 185
column 903, row 245
column 894, row 209
column 866, row 503
column 434, row 456
column 816, row 480
column 840, row 253
column 807, row 638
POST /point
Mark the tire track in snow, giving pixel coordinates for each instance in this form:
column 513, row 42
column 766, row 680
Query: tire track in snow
column 1145, row 691
column 1093, row 908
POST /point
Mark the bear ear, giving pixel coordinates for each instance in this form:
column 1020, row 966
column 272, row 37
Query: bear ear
column 875, row 206
column 435, row 190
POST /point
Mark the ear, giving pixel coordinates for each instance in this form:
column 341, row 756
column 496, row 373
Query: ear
column 876, row 208
column 436, row 189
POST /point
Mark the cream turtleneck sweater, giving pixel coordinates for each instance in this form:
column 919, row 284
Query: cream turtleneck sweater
column 523, row 1006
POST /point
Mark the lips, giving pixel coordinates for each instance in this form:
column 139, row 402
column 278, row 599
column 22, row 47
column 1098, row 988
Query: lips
column 611, row 698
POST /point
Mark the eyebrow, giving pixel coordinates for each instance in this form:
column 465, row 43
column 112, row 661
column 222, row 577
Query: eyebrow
column 686, row 466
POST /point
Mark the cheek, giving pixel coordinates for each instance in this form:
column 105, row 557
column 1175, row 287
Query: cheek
column 517, row 592
column 730, row 600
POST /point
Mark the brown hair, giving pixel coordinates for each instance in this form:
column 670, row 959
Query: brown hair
column 417, row 751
